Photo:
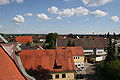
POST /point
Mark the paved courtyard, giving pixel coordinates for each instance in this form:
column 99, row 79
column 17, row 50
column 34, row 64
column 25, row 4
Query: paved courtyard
column 90, row 73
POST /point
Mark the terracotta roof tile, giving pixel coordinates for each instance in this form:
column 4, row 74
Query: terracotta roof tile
column 8, row 70
column 24, row 39
column 47, row 58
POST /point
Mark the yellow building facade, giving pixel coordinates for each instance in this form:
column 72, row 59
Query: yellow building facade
column 78, row 59
column 63, row 76
column 79, row 62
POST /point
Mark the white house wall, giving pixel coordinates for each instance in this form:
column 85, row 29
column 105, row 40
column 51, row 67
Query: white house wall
column 100, row 52
column 88, row 51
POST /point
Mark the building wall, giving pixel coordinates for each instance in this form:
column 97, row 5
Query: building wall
column 88, row 51
column 100, row 51
column 69, row 76
column 97, row 51
column 100, row 58
column 78, row 59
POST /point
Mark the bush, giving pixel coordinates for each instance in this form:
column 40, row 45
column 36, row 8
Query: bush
column 39, row 73
column 111, row 70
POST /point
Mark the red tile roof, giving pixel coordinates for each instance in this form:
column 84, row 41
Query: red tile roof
column 74, row 50
column 47, row 58
column 24, row 39
column 8, row 69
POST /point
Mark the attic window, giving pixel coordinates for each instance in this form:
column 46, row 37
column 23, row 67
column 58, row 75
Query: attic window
column 64, row 48
column 57, row 66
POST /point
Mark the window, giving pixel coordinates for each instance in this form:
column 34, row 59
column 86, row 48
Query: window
column 50, row 77
column 57, row 66
column 78, row 57
column 76, row 66
column 88, row 52
column 100, row 52
column 74, row 57
column 57, row 76
column 63, row 76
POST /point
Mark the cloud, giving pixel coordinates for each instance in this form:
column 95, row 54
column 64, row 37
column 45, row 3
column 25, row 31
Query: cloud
column 18, row 19
column 53, row 10
column 67, row 0
column 4, row 2
column 81, row 11
column 92, row 3
column 99, row 13
column 19, row 1
column 115, row 18
column 58, row 18
column 67, row 12
column 43, row 17
column 28, row 14
column 2, row 28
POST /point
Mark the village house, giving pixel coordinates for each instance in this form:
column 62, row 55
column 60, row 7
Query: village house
column 77, row 55
column 61, row 61
column 95, row 46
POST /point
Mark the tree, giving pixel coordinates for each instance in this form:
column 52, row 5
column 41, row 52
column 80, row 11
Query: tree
column 73, row 43
column 111, row 53
column 108, row 35
column 114, row 36
column 39, row 73
column 51, row 39
column 51, row 36
column 28, row 44
column 44, row 46
column 69, row 43
column 52, row 44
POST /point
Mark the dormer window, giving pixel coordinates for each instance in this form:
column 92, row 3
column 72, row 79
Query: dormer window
column 56, row 66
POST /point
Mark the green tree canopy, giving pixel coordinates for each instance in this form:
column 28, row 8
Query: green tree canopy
column 51, row 39
column 44, row 46
column 51, row 36
column 69, row 43
column 52, row 45
column 111, row 53
column 73, row 43
column 28, row 44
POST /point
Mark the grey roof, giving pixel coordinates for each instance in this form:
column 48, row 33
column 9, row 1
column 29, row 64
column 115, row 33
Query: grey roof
column 85, row 42
column 3, row 40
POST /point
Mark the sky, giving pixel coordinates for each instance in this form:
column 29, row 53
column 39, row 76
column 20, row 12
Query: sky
column 61, row 16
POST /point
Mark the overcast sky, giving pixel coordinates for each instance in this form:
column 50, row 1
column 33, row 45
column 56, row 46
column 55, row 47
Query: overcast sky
column 62, row 16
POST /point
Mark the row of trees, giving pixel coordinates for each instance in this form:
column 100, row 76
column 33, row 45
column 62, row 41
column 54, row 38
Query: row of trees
column 110, row 68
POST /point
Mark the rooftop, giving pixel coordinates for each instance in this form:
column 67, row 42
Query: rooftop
column 85, row 42
column 50, row 59
column 8, row 68
column 24, row 39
